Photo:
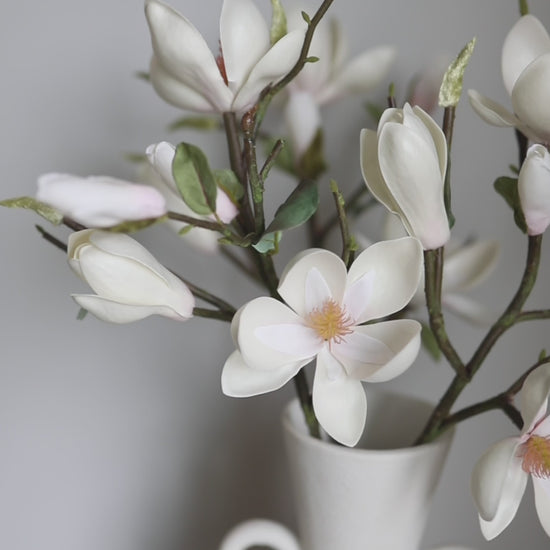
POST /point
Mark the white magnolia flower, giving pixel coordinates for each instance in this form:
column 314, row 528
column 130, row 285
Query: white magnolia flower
column 185, row 73
column 99, row 201
column 526, row 75
column 330, row 78
column 534, row 189
column 129, row 282
column 404, row 165
column 158, row 173
column 323, row 319
column 465, row 266
column 500, row 476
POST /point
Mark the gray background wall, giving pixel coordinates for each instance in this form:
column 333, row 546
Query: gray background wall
column 119, row 438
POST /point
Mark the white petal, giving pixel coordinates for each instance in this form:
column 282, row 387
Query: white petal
column 303, row 119
column 397, row 267
column 412, row 174
column 160, row 157
column 542, row 502
column 183, row 54
column 469, row 265
column 490, row 111
column 469, row 309
column 340, row 405
column 271, row 68
column 400, row 337
column 498, row 483
column 317, row 291
column 244, row 38
column 526, row 41
column 359, row 294
column 534, row 396
column 360, row 75
column 181, row 95
column 265, row 312
column 530, row 97
column 534, row 189
column 299, row 341
column 240, row 380
column 113, row 312
column 292, row 286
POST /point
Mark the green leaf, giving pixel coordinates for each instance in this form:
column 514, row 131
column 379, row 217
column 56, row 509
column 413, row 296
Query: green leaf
column 194, row 179
column 278, row 22
column 312, row 59
column 430, row 343
column 44, row 210
column 195, row 122
column 285, row 159
column 306, row 18
column 507, row 188
column 143, row 75
column 451, row 87
column 135, row 158
column 312, row 163
column 185, row 230
column 81, row 314
column 269, row 243
column 135, row 225
column 228, row 181
column 300, row 205
column 542, row 354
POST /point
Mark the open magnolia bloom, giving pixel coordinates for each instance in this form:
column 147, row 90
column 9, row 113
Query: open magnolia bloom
column 158, row 173
column 330, row 78
column 526, row 75
column 99, row 201
column 500, row 476
column 404, row 165
column 534, row 189
column 185, row 73
column 129, row 282
column 324, row 319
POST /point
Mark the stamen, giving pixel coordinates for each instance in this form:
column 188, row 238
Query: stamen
column 221, row 65
column 536, row 456
column 331, row 322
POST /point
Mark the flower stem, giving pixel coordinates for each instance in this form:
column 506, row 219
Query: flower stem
column 523, row 7
column 304, row 396
column 212, row 314
column 348, row 245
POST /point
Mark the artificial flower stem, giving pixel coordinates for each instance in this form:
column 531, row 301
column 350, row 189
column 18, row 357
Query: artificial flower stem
column 270, row 160
column 222, row 305
column 448, row 129
column 51, row 239
column 534, row 315
column 304, row 396
column 433, row 264
column 197, row 222
column 213, row 314
column 348, row 245
column 523, row 7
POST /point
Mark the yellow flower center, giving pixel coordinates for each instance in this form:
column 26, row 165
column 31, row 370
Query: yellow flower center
column 330, row 321
column 536, row 456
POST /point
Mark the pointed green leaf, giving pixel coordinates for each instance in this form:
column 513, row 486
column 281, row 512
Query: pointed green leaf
column 194, row 179
column 312, row 163
column 278, row 22
column 44, row 210
column 81, row 314
column 300, row 205
column 306, row 18
column 195, row 122
column 284, row 160
column 269, row 243
column 507, row 188
column 228, row 181
column 185, row 230
column 451, row 87
column 312, row 59
column 430, row 343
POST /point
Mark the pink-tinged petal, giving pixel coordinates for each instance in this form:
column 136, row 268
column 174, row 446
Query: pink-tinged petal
column 299, row 341
column 292, row 286
column 530, row 97
column 411, row 170
column 184, row 55
column 469, row 309
column 469, row 265
column 303, row 119
column 370, row 168
column 534, row 189
column 542, row 502
column 271, row 68
column 534, row 397
column 340, row 404
column 111, row 311
column 498, row 483
column 491, row 112
column 360, row 75
column 397, row 268
column 401, row 337
column 244, row 38
column 543, row 427
column 240, row 380
column 265, row 312
column 175, row 92
column 225, row 208
column 526, row 41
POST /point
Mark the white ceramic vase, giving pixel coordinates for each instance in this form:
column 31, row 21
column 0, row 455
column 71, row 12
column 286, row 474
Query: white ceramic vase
column 375, row 496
